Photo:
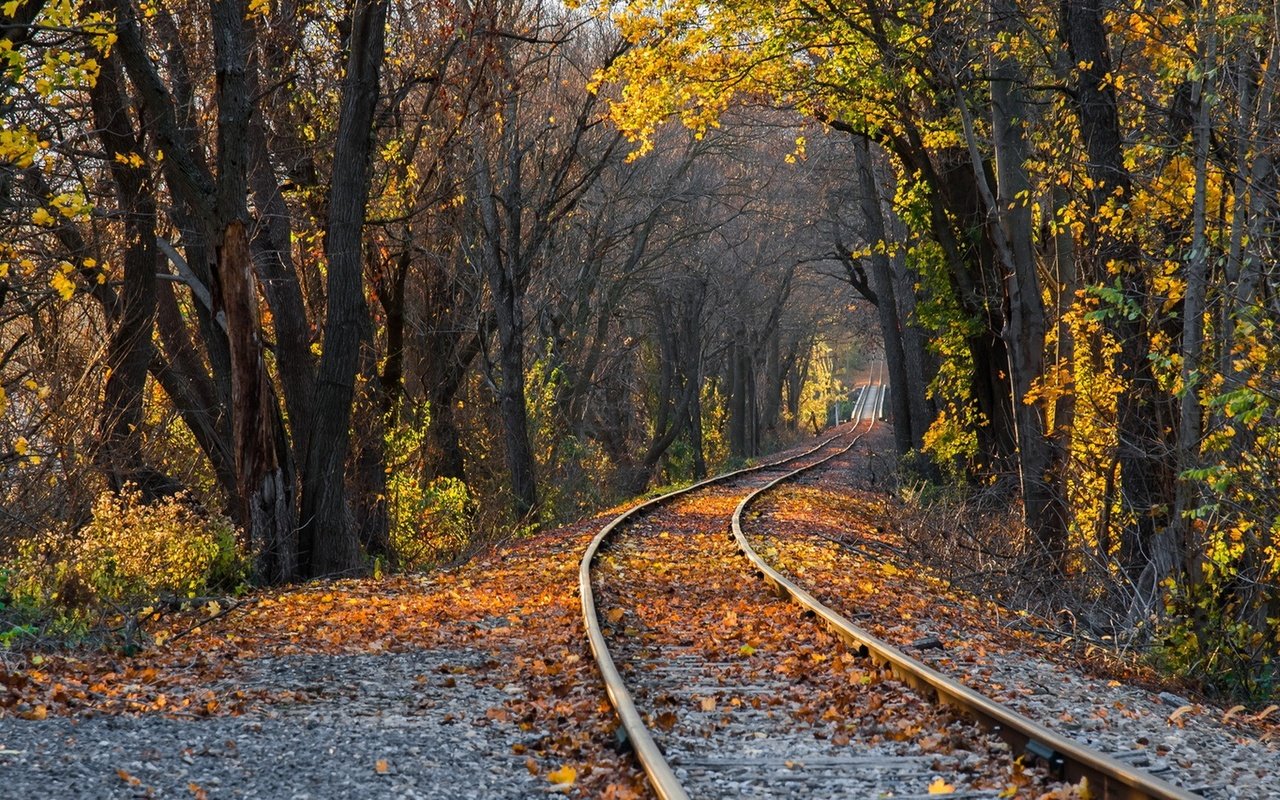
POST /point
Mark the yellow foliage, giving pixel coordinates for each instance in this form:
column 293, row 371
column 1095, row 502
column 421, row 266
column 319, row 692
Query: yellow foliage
column 129, row 553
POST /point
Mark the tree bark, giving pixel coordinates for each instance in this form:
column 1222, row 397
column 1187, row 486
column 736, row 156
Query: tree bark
column 1025, row 325
column 129, row 352
column 328, row 542
column 264, row 482
column 881, row 280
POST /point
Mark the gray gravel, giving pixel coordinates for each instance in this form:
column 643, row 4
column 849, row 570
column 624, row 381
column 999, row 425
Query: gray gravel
column 422, row 713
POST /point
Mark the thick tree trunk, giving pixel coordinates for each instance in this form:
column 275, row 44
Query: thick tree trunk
column 129, row 352
column 919, row 364
column 1140, row 422
column 1025, row 325
column 369, row 467
column 507, row 290
column 328, row 542
column 881, row 279
column 264, row 483
column 278, row 275
column 511, row 400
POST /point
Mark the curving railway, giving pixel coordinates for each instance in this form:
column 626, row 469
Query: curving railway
column 721, row 693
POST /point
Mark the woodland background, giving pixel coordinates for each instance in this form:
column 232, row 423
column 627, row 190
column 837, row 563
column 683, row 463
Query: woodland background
column 300, row 289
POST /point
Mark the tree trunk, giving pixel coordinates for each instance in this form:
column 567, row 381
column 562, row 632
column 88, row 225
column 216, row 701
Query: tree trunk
column 1173, row 547
column 507, row 291
column 1139, row 420
column 129, row 352
column 264, row 483
column 1025, row 325
column 738, row 406
column 881, row 279
column 328, row 543
column 369, row 467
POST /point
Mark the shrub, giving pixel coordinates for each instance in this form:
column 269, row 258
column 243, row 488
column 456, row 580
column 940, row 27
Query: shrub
column 437, row 523
column 130, row 553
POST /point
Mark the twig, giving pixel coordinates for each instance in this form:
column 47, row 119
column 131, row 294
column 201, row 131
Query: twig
column 202, row 623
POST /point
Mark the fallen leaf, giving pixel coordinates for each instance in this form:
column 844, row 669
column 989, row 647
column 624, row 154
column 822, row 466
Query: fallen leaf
column 1176, row 717
column 564, row 776
column 1264, row 713
column 127, row 778
column 614, row 614
column 708, row 704
column 381, row 766
column 1231, row 712
column 38, row 713
column 197, row 791
column 939, row 786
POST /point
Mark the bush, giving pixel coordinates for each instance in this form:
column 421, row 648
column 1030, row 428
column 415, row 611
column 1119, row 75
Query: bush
column 130, row 554
column 434, row 523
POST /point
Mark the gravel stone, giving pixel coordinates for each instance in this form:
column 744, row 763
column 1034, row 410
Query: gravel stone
column 355, row 712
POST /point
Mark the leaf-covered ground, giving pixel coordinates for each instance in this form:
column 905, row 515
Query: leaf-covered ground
column 478, row 683
column 750, row 698
column 512, row 618
column 834, row 533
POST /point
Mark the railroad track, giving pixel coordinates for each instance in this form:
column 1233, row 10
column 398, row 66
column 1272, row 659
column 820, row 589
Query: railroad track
column 765, row 719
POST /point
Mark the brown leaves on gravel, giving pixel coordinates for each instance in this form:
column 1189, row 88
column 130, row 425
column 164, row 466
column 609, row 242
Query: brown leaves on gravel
column 519, row 603
column 690, row 594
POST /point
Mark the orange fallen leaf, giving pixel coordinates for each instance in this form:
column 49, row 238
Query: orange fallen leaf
column 939, row 786
column 197, row 791
column 564, row 776
column 38, row 713
column 614, row 614
column 127, row 778
column 1264, row 713
column 381, row 766
column 1231, row 712
column 708, row 704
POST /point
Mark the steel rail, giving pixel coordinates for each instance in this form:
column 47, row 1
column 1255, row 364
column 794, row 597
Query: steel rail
column 661, row 777
column 1109, row 779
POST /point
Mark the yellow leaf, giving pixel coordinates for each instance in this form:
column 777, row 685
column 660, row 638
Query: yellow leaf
column 614, row 614
column 939, row 786
column 565, row 776
column 41, row 217
column 63, row 286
